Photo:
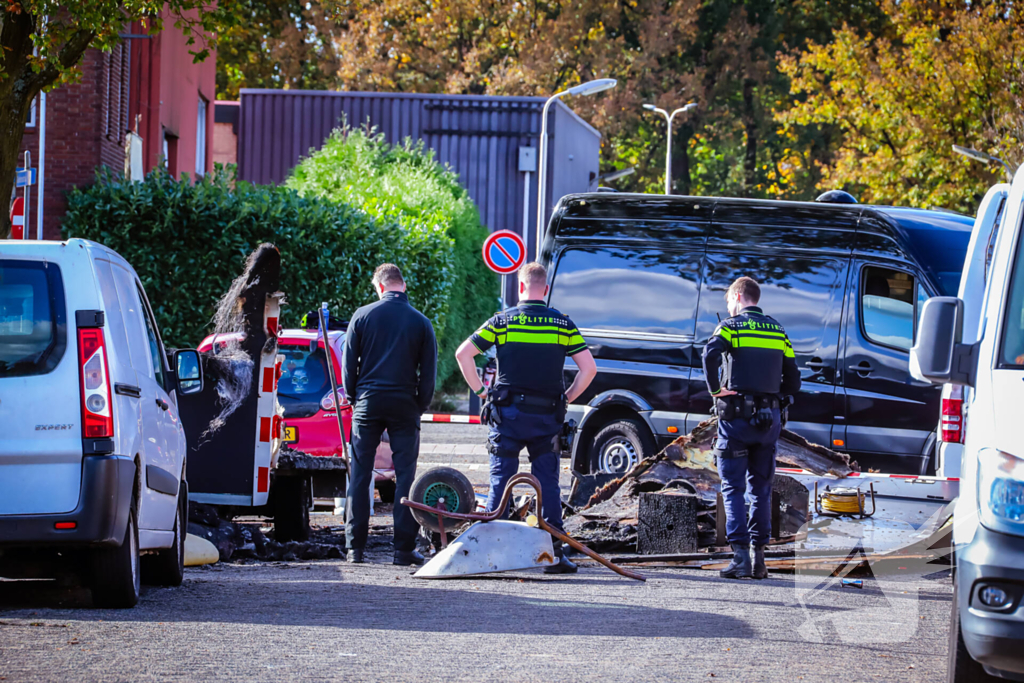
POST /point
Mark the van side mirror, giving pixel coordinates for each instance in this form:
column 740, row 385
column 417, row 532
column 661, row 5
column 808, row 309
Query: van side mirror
column 189, row 371
column 938, row 356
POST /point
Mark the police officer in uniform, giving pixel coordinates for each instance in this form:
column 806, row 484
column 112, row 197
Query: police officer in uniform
column 525, row 407
column 759, row 379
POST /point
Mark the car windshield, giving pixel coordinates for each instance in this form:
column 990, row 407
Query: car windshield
column 1012, row 352
column 33, row 327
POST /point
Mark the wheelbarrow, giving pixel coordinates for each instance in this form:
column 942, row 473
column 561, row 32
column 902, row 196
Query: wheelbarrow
column 494, row 545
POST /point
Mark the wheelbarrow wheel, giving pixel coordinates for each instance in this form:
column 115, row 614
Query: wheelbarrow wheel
column 442, row 483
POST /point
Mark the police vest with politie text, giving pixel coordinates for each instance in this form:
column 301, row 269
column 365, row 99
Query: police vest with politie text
column 758, row 359
column 532, row 342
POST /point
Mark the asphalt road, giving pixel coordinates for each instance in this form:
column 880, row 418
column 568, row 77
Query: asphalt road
column 329, row 621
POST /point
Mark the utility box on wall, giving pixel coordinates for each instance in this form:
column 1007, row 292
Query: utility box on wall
column 485, row 140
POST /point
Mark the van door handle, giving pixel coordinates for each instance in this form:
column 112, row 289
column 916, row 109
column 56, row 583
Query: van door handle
column 164, row 405
column 862, row 368
column 817, row 364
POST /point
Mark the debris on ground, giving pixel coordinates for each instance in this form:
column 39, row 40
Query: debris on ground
column 245, row 540
column 608, row 520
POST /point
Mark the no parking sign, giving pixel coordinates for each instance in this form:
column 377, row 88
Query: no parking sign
column 504, row 252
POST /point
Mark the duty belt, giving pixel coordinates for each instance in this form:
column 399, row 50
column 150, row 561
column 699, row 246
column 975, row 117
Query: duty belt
column 744, row 406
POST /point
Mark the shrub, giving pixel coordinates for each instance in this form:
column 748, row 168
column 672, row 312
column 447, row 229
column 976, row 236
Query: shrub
column 188, row 241
column 405, row 183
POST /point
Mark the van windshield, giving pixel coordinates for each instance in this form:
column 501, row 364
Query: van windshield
column 1012, row 352
column 304, row 380
column 33, row 320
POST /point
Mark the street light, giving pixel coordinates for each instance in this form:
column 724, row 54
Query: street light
column 983, row 158
column 588, row 88
column 668, row 152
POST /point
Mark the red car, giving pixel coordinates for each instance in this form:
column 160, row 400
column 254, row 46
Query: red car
column 310, row 422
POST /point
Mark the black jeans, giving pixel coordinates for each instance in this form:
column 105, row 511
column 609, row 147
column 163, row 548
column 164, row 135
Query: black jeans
column 399, row 414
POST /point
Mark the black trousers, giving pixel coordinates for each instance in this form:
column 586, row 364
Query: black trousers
column 399, row 414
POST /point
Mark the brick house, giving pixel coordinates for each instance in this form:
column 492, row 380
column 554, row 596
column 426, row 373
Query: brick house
column 148, row 79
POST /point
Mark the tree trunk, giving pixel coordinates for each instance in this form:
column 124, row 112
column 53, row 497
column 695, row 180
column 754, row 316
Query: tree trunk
column 750, row 128
column 16, row 93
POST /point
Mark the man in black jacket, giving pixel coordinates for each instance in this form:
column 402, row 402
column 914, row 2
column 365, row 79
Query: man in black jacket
column 390, row 366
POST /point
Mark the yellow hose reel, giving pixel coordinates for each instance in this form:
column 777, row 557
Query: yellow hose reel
column 843, row 500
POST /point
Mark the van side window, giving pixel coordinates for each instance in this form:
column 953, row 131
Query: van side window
column 622, row 289
column 131, row 311
column 887, row 303
column 154, row 343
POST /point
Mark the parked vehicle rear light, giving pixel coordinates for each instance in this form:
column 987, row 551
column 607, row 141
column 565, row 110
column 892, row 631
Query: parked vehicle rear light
column 97, row 418
column 952, row 420
column 327, row 402
column 64, row 525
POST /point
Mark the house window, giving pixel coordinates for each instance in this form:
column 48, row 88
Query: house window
column 201, row 138
column 31, row 122
column 171, row 153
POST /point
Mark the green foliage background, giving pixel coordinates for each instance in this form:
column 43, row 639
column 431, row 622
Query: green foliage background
column 188, row 242
column 405, row 184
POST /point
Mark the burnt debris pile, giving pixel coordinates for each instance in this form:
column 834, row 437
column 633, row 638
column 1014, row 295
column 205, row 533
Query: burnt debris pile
column 607, row 510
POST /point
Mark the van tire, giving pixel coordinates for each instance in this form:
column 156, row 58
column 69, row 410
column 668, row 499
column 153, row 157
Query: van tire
column 166, row 567
column 115, row 571
column 962, row 667
column 619, row 445
column 291, row 509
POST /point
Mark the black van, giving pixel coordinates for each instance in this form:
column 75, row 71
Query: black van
column 644, row 278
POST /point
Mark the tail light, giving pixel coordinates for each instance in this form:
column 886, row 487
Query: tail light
column 953, row 416
column 97, row 416
column 327, row 402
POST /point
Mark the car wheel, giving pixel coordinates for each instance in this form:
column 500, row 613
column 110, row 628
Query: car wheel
column 620, row 445
column 386, row 489
column 962, row 667
column 291, row 509
column 115, row 571
column 167, row 566
column 442, row 483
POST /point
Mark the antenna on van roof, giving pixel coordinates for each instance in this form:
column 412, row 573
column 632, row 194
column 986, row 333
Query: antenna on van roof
column 719, row 316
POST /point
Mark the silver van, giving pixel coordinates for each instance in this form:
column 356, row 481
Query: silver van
column 92, row 451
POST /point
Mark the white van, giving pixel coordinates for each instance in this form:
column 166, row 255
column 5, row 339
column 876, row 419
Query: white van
column 987, row 627
column 92, row 453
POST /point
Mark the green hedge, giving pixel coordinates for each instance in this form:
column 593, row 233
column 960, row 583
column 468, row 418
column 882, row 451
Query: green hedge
column 189, row 241
column 405, row 183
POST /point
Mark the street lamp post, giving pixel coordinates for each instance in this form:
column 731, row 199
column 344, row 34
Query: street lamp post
column 983, row 158
column 668, row 152
column 588, row 88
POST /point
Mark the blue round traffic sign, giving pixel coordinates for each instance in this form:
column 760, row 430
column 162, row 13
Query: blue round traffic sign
column 504, row 252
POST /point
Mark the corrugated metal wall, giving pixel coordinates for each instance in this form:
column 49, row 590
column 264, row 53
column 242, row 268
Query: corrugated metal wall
column 477, row 136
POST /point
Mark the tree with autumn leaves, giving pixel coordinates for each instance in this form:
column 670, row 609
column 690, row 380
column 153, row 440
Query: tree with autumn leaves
column 795, row 97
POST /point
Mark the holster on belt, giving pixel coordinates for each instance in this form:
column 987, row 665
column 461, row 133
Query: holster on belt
column 499, row 397
column 746, row 407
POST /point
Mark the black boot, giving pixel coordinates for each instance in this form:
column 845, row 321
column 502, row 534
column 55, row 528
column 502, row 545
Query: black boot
column 355, row 555
column 565, row 565
column 760, row 568
column 739, row 568
column 404, row 558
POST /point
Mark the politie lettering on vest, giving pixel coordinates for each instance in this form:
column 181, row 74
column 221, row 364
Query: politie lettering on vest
column 525, row 408
column 752, row 374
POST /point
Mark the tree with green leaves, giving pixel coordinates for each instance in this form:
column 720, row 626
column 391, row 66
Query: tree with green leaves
column 43, row 42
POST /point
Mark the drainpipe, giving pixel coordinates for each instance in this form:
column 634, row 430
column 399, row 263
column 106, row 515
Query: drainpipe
column 42, row 165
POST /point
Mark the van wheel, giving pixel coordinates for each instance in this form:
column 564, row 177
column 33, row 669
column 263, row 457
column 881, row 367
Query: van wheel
column 962, row 668
column 167, row 566
column 619, row 446
column 291, row 509
column 115, row 571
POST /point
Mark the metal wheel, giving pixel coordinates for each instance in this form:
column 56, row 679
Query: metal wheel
column 617, row 457
column 437, row 483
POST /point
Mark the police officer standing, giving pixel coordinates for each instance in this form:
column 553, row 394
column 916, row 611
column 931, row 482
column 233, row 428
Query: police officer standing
column 525, row 408
column 390, row 365
column 760, row 378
